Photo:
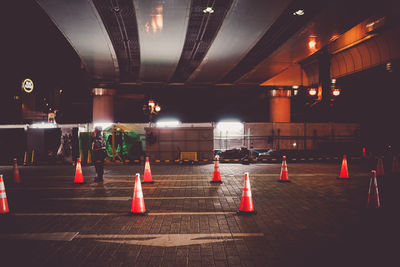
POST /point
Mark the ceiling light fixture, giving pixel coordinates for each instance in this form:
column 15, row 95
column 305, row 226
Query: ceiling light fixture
column 299, row 12
column 312, row 44
column 209, row 10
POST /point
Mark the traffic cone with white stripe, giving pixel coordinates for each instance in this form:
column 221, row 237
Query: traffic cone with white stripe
column 380, row 171
column 138, row 207
column 148, row 179
column 246, row 203
column 344, row 172
column 17, row 177
column 373, row 192
column 78, row 173
column 216, row 178
column 284, row 172
column 3, row 197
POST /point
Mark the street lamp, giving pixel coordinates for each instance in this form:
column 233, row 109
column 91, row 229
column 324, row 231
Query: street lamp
column 312, row 91
column 336, row 92
column 151, row 109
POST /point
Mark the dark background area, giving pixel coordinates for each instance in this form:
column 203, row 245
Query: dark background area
column 33, row 47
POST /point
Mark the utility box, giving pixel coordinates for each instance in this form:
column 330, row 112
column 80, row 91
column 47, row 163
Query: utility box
column 169, row 143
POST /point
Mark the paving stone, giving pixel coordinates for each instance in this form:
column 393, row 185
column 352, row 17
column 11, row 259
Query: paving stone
column 304, row 223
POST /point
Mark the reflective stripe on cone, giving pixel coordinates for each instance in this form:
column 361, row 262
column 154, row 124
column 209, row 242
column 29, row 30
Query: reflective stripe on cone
column 246, row 203
column 3, row 197
column 138, row 207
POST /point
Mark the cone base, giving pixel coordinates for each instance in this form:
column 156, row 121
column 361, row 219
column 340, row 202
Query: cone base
column 339, row 178
column 216, row 182
column 148, row 182
column 284, row 181
column 138, row 213
column 240, row 212
column 80, row 183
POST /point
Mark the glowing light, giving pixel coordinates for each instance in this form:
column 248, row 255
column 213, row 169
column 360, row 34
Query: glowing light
column 168, row 123
column 27, row 85
column 333, row 80
column 336, row 92
column 295, row 86
column 229, row 125
column 157, row 108
column 312, row 44
column 312, row 91
column 299, row 12
column 156, row 20
column 294, row 144
column 43, row 125
column 103, row 125
column 209, row 10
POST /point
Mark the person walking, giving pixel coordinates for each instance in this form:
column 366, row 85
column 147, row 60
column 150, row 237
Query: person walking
column 99, row 154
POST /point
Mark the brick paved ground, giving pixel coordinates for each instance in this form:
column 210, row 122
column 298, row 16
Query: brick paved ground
column 315, row 220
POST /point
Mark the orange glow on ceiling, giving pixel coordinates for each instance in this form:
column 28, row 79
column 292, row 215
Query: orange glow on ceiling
column 156, row 20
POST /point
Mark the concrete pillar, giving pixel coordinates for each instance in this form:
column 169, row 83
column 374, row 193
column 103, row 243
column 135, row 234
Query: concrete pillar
column 103, row 105
column 279, row 105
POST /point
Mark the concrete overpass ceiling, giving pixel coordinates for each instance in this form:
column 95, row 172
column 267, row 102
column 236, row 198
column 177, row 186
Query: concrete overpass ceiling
column 282, row 30
column 81, row 24
column 202, row 30
column 323, row 28
column 135, row 43
column 378, row 50
column 328, row 23
column 244, row 24
column 162, row 27
column 119, row 18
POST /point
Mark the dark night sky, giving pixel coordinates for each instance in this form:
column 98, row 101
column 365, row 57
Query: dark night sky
column 35, row 48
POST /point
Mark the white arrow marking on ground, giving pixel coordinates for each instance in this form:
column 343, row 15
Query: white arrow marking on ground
column 170, row 240
column 156, row 240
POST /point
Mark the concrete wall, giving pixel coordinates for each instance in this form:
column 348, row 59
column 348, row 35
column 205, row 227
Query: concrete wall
column 167, row 143
column 300, row 136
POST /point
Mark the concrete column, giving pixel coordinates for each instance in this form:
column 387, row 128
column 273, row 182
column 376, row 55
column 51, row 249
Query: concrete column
column 103, row 105
column 279, row 105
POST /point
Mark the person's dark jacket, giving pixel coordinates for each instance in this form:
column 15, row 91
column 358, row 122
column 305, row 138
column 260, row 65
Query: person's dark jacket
column 99, row 147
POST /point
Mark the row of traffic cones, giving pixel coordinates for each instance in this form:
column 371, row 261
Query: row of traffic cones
column 246, row 204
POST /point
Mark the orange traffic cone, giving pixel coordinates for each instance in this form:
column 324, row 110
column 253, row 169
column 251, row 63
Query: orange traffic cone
column 138, row 207
column 216, row 174
column 379, row 168
column 246, row 203
column 78, row 173
column 284, row 172
column 344, row 173
column 17, row 178
column 373, row 193
column 3, row 197
column 148, row 179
